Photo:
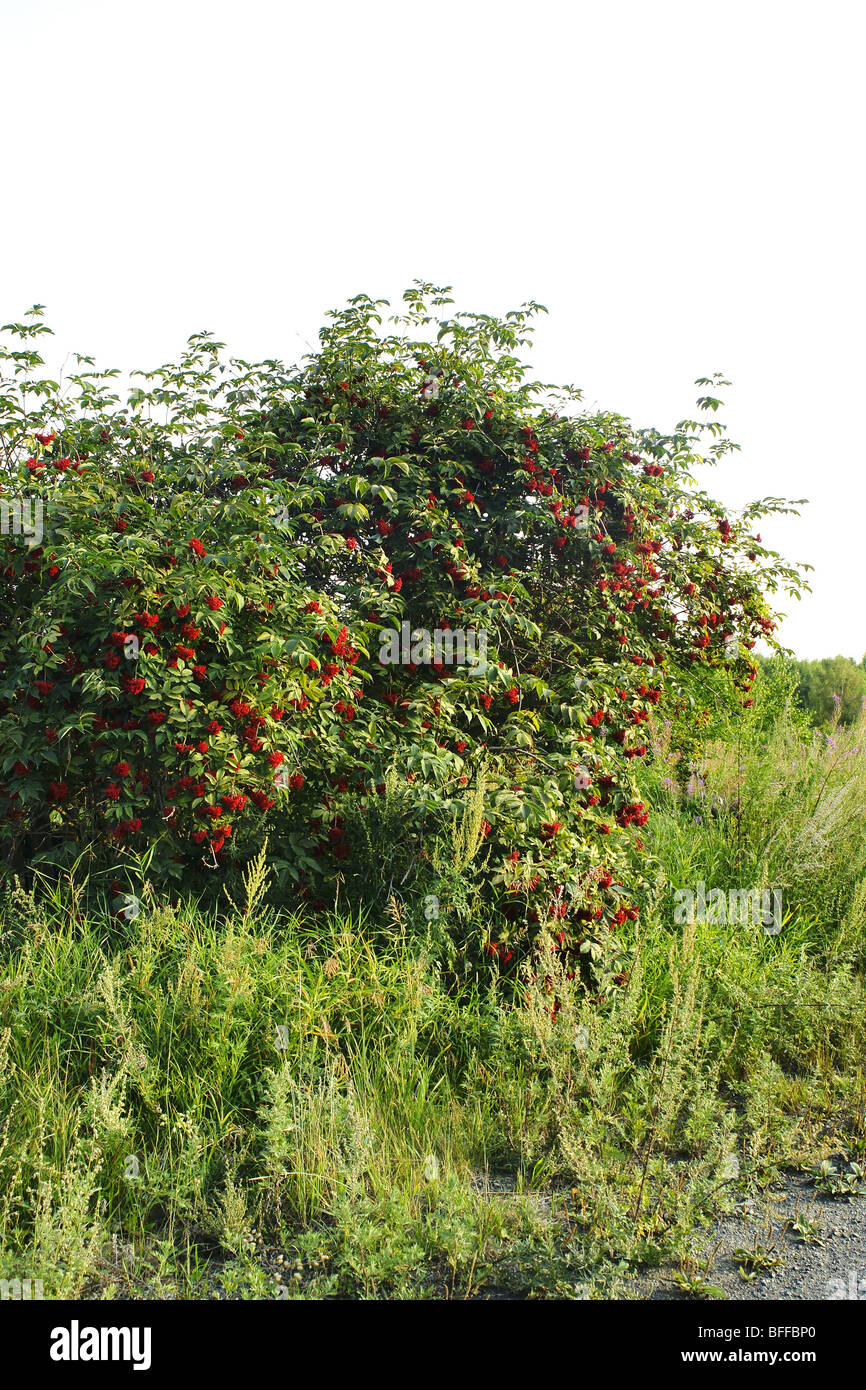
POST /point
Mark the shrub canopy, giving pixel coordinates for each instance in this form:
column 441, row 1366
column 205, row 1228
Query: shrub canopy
column 190, row 653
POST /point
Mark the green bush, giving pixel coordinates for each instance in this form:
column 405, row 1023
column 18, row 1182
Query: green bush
column 204, row 647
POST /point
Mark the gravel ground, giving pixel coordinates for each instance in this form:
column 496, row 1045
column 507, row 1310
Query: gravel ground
column 802, row 1268
column 822, row 1260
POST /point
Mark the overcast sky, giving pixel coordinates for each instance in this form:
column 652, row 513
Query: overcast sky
column 680, row 183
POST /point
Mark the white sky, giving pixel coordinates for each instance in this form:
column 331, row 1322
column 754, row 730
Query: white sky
column 680, row 183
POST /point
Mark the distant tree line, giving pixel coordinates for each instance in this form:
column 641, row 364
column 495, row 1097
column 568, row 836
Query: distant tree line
column 831, row 683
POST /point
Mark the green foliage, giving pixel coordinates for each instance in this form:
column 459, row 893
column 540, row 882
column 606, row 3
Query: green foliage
column 195, row 654
column 834, row 688
column 339, row 1090
column 317, row 1015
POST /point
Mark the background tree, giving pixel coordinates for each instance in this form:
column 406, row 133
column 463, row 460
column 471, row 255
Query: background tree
column 833, row 685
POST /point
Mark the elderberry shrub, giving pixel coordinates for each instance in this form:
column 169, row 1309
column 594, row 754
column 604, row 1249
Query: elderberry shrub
column 190, row 654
